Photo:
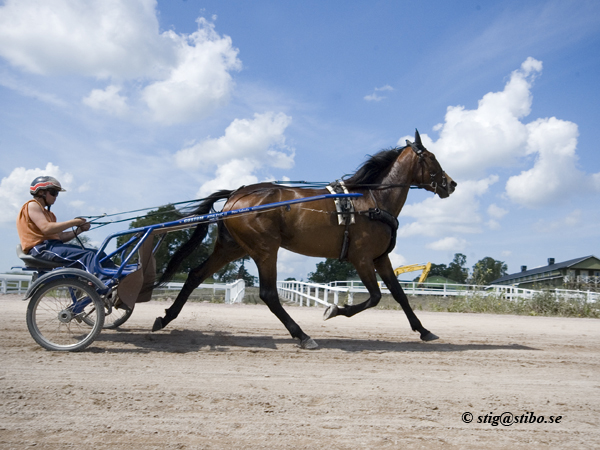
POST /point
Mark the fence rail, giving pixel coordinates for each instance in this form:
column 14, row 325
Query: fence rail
column 234, row 292
column 325, row 294
column 14, row 284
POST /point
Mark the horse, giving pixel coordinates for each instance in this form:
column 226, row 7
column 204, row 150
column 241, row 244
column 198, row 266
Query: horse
column 314, row 230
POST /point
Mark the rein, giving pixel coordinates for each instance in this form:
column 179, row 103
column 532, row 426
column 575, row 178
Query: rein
column 101, row 224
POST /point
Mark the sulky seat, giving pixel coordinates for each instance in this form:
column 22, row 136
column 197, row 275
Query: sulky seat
column 36, row 263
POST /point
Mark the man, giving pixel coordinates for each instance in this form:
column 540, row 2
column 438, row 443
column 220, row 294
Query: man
column 42, row 236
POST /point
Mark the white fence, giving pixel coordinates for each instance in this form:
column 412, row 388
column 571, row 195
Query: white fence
column 234, row 292
column 326, row 294
column 443, row 289
column 301, row 293
column 14, row 284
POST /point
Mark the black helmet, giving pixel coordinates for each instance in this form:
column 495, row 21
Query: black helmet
column 44, row 183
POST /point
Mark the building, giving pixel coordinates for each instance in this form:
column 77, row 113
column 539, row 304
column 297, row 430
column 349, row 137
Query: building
column 566, row 274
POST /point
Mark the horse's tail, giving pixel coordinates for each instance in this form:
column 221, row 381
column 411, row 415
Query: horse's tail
column 197, row 237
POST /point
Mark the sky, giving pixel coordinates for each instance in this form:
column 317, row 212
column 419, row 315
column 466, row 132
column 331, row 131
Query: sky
column 139, row 103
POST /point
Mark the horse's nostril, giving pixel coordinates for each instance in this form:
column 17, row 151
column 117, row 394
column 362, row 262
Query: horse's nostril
column 453, row 184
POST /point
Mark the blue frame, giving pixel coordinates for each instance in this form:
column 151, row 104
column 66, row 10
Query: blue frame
column 141, row 234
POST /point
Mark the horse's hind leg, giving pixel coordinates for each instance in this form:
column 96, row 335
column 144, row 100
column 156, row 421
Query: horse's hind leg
column 386, row 272
column 267, row 272
column 220, row 256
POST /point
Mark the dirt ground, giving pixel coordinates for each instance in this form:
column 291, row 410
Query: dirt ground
column 229, row 377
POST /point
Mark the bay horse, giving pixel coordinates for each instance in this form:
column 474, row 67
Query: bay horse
column 313, row 230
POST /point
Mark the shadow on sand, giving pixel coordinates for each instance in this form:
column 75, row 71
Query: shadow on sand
column 186, row 341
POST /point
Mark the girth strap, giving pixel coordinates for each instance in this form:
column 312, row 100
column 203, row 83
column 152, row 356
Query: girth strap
column 387, row 218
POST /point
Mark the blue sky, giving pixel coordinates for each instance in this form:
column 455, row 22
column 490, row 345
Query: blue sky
column 139, row 103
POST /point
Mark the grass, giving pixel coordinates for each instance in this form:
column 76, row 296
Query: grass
column 542, row 304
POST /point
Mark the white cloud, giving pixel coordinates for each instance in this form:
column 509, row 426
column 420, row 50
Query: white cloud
column 246, row 146
column 178, row 77
column 199, row 82
column 107, row 100
column 374, row 97
column 397, row 259
column 493, row 224
column 455, row 214
column 243, row 138
column 294, row 265
column 473, row 141
column 77, row 204
column 231, row 175
column 554, row 175
column 448, row 244
column 496, row 212
column 108, row 38
column 14, row 189
column 567, row 222
column 28, row 91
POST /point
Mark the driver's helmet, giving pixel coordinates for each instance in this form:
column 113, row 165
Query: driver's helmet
column 44, row 183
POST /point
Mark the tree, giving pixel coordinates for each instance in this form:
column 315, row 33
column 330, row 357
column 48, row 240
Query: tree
column 332, row 270
column 439, row 270
column 235, row 270
column 487, row 270
column 457, row 270
column 173, row 240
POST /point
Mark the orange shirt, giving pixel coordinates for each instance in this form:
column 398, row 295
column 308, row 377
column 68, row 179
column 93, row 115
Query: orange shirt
column 29, row 234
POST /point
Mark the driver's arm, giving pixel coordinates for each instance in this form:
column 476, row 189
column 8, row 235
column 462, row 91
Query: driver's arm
column 37, row 216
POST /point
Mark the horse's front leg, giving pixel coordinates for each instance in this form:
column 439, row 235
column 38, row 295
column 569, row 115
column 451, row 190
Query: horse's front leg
column 366, row 272
column 386, row 272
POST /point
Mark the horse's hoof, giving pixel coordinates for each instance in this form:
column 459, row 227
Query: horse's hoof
column 309, row 344
column 429, row 336
column 158, row 324
column 331, row 311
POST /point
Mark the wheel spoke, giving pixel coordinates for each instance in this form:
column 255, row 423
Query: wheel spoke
column 60, row 313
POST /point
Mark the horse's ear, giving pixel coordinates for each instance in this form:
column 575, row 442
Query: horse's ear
column 408, row 143
column 417, row 138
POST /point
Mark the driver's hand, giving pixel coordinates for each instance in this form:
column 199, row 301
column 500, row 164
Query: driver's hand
column 83, row 224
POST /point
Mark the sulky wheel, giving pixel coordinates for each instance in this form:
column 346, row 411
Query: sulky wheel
column 65, row 315
column 113, row 317
column 117, row 317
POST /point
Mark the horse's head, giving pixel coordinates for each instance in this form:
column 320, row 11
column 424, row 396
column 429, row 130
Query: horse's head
column 428, row 173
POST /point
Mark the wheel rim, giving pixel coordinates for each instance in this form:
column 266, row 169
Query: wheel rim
column 59, row 316
column 116, row 317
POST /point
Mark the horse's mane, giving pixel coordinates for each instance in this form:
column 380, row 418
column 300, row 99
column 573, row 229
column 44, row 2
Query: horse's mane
column 374, row 169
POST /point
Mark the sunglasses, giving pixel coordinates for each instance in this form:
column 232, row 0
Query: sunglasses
column 53, row 192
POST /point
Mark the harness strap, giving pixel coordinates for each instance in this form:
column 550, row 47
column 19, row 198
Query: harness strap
column 387, row 218
column 344, row 206
column 345, row 213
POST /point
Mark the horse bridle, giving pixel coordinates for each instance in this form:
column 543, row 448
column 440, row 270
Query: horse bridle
column 420, row 152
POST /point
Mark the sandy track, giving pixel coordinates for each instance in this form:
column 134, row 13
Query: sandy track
column 229, row 376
